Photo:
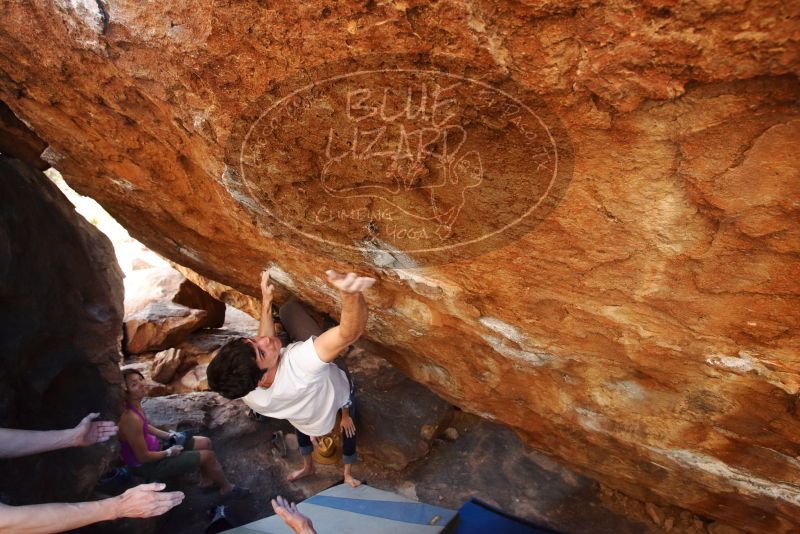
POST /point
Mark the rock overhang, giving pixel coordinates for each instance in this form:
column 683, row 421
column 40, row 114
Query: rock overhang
column 613, row 334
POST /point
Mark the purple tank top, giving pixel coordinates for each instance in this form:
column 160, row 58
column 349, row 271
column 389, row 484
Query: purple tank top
column 126, row 453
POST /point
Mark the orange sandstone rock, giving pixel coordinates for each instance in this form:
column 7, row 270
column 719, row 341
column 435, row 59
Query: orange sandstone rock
column 644, row 330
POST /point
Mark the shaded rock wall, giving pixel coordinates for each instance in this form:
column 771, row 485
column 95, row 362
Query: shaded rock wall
column 646, row 331
column 60, row 330
column 18, row 141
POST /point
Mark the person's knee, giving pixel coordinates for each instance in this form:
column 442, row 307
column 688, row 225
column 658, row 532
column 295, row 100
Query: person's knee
column 207, row 457
column 202, row 443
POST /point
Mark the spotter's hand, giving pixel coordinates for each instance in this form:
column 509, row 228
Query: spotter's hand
column 89, row 431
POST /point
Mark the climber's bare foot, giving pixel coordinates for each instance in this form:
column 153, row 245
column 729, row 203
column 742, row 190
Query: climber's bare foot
column 300, row 473
column 354, row 482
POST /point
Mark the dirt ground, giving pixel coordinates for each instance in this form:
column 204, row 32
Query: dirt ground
column 485, row 461
column 473, row 459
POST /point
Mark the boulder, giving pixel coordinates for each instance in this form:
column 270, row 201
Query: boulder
column 147, row 286
column 251, row 306
column 165, row 365
column 639, row 319
column 160, row 325
column 200, row 410
column 162, row 308
column 196, row 379
column 397, row 418
column 203, row 343
column 490, row 463
column 450, row 434
column 186, row 410
column 60, row 317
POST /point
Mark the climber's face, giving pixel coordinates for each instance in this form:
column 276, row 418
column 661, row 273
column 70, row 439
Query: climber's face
column 267, row 349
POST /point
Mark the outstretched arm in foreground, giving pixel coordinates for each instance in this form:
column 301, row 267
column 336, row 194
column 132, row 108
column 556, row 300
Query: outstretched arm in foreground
column 354, row 315
column 14, row 443
column 288, row 511
column 141, row 501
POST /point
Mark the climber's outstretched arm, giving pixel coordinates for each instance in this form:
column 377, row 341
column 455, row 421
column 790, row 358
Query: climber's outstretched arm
column 266, row 327
column 354, row 315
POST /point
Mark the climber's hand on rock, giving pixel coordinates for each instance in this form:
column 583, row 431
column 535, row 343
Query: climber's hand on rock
column 350, row 283
column 266, row 287
column 332, row 343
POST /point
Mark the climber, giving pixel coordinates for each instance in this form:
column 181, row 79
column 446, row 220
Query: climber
column 141, row 501
column 299, row 382
column 141, row 450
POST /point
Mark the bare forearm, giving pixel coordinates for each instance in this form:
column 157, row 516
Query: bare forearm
column 151, row 456
column 266, row 327
column 331, row 343
column 44, row 518
column 15, row 443
column 354, row 316
column 157, row 432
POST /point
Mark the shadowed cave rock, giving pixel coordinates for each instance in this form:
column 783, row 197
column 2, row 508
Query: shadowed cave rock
column 60, row 329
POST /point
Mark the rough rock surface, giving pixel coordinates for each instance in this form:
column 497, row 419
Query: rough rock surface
column 501, row 471
column 165, row 365
column 188, row 410
column 646, row 331
column 196, row 378
column 159, row 326
column 246, row 303
column 60, row 316
column 18, row 141
column 146, row 286
column 392, row 412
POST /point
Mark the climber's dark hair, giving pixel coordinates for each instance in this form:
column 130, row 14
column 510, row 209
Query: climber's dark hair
column 233, row 372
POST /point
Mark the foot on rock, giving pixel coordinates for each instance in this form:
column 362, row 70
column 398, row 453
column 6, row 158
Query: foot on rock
column 300, row 473
column 354, row 482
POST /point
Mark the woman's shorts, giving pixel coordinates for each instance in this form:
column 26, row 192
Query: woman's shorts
column 186, row 462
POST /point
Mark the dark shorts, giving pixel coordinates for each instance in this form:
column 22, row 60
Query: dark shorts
column 186, row 462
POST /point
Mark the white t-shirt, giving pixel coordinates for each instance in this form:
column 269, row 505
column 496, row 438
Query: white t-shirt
column 307, row 391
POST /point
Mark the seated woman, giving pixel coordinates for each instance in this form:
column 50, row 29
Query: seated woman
column 142, row 452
